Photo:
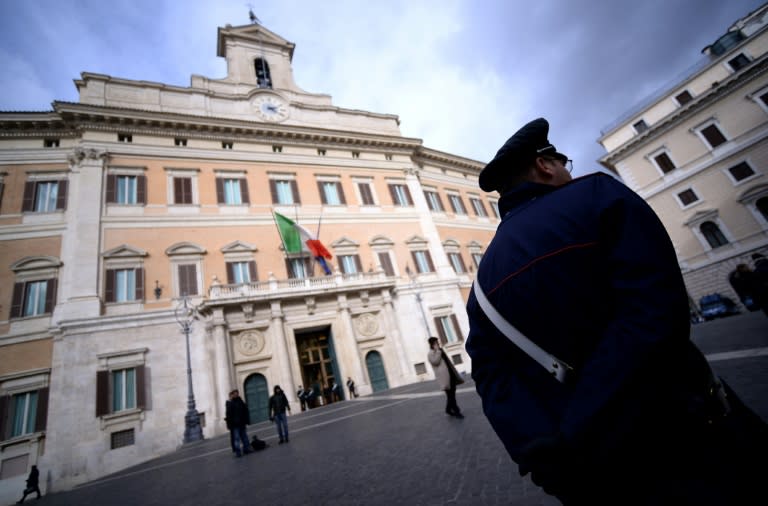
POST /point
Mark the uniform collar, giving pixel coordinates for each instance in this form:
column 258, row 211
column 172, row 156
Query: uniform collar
column 521, row 194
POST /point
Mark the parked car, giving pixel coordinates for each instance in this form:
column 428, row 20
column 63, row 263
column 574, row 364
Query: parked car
column 716, row 305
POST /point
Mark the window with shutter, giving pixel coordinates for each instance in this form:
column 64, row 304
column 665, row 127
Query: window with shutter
column 386, row 263
column 366, row 195
column 188, row 279
column 713, row 136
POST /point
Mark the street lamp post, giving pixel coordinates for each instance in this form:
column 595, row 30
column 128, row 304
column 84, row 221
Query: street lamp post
column 185, row 315
column 417, row 291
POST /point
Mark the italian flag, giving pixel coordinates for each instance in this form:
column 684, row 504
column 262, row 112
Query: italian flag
column 297, row 239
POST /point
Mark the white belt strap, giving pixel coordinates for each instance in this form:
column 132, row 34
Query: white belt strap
column 555, row 366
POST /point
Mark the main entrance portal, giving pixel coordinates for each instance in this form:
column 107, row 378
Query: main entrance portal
column 317, row 359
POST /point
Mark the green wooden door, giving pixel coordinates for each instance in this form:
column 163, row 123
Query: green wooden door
column 257, row 397
column 376, row 372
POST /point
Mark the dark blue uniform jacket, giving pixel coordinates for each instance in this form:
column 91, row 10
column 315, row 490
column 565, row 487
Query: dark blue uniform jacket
column 588, row 272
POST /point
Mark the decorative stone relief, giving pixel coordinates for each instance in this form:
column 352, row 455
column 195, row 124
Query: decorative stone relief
column 81, row 154
column 250, row 342
column 367, row 324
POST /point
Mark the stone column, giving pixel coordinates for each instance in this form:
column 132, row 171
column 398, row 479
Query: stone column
column 81, row 241
column 224, row 377
column 394, row 333
column 281, row 349
column 347, row 349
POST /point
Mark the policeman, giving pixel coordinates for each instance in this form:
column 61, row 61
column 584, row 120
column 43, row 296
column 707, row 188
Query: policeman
column 586, row 271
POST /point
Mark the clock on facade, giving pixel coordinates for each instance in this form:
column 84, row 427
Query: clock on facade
column 271, row 108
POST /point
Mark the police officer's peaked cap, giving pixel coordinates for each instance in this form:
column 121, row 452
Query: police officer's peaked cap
column 527, row 143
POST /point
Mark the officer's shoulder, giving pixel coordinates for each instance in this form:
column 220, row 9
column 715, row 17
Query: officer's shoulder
column 599, row 181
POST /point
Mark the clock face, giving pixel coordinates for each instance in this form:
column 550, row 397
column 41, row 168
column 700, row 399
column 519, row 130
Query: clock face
column 271, row 108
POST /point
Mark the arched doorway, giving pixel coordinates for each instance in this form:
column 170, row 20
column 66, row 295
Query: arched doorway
column 257, row 397
column 376, row 372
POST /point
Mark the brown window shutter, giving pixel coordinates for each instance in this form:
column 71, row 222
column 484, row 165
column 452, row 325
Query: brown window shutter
column 440, row 331
column 252, row 271
column 407, row 195
column 244, row 191
column 273, row 191
column 28, row 203
column 178, row 197
column 102, row 393
column 463, row 207
column 440, row 202
column 393, row 195
column 5, row 415
column 366, row 194
column 322, row 192
column 219, row 190
column 456, row 327
column 341, row 193
column 187, row 283
column 109, row 286
column 42, row 410
column 309, row 266
column 141, row 189
column 429, row 261
column 461, row 262
column 61, row 197
column 50, row 295
column 386, row 263
column 358, row 264
column 17, row 303
column 141, row 387
column 482, row 206
column 415, row 263
column 295, row 190
column 341, row 265
column 291, row 274
column 230, row 273
column 186, row 187
column 111, row 185
column 139, row 284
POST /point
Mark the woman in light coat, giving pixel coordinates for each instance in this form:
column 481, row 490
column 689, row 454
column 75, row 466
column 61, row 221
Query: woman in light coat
column 446, row 374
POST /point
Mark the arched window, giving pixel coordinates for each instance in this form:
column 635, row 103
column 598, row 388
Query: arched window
column 712, row 234
column 762, row 206
column 263, row 78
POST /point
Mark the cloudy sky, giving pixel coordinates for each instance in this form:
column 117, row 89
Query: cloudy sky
column 462, row 75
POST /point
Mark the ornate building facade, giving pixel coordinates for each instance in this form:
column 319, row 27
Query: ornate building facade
column 115, row 208
column 697, row 153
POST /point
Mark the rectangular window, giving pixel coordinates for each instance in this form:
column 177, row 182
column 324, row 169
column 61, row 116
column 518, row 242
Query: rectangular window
column 495, row 208
column 227, row 144
column 386, row 263
column 687, row 197
column 299, row 267
column 182, row 190
column 388, row 158
column 713, row 135
column 123, row 389
column 478, row 207
column 122, row 438
column 126, row 190
column 241, row 272
column 277, row 149
column 231, row 191
column 420, row 368
column 641, row 126
column 46, row 196
column 355, row 154
column 739, row 62
column 664, row 162
column 33, row 298
column 448, row 329
column 433, row 201
column 741, row 171
column 476, row 257
column 24, row 413
column 321, row 152
column 401, row 196
column 423, row 261
column 178, row 141
column 331, row 193
column 457, row 204
column 124, row 285
column 457, row 263
column 366, row 195
column 284, row 191
column 50, row 143
column 188, row 279
column 350, row 264
column 684, row 97
column 122, row 137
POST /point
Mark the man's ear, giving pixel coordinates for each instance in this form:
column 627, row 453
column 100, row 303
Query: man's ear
column 541, row 171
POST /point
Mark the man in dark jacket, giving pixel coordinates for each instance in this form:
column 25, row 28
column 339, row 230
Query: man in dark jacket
column 237, row 418
column 586, row 270
column 33, row 484
column 278, row 404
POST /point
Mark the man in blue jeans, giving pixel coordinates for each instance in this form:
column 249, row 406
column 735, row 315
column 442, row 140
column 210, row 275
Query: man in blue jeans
column 278, row 404
column 237, row 417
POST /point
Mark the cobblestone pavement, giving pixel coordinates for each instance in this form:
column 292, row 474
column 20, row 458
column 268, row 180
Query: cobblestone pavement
column 394, row 448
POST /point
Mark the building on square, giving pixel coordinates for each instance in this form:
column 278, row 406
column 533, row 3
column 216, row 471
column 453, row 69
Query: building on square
column 697, row 152
column 117, row 206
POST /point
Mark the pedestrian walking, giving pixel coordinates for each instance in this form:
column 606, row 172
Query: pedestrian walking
column 33, row 484
column 351, row 387
column 446, row 375
column 237, row 418
column 302, row 396
column 580, row 345
column 278, row 404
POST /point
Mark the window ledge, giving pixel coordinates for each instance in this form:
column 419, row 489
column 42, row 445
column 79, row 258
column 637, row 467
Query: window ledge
column 121, row 417
column 23, row 439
